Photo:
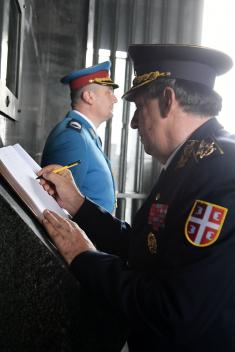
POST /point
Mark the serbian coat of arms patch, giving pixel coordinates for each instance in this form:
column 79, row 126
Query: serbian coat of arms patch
column 204, row 223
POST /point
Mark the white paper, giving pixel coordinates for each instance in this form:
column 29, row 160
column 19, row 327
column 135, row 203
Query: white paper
column 22, row 169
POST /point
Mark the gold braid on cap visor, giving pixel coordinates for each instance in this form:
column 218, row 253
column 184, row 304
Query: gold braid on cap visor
column 148, row 77
column 105, row 80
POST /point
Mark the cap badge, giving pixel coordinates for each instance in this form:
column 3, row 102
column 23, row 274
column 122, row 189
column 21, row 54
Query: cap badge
column 205, row 221
column 104, row 80
column 152, row 243
column 148, row 77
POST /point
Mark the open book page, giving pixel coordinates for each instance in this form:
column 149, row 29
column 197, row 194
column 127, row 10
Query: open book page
column 27, row 158
column 20, row 174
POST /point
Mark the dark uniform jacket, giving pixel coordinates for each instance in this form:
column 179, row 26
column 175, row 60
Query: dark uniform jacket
column 172, row 275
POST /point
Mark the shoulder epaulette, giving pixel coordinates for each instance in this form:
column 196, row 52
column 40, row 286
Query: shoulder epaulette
column 75, row 125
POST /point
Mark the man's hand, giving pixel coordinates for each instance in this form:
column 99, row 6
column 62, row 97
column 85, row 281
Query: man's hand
column 62, row 187
column 68, row 237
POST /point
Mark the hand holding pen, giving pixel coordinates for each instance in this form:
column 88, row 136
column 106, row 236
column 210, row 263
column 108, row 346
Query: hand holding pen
column 59, row 182
column 62, row 168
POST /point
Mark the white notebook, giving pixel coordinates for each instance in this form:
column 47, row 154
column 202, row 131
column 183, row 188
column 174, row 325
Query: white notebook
column 19, row 170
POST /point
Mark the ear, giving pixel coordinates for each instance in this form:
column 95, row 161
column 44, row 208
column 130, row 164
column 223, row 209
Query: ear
column 88, row 96
column 165, row 101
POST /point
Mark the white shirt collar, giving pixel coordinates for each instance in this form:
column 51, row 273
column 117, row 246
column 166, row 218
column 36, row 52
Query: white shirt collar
column 87, row 119
column 169, row 160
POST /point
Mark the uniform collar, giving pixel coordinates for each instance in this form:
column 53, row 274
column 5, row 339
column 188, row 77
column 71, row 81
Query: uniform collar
column 208, row 128
column 86, row 119
column 165, row 166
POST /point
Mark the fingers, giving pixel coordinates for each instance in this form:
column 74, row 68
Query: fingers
column 52, row 224
column 58, row 179
column 45, row 178
column 48, row 169
column 55, row 226
column 63, row 188
column 52, row 182
column 54, row 178
column 59, row 223
column 49, row 187
column 56, row 221
column 67, row 236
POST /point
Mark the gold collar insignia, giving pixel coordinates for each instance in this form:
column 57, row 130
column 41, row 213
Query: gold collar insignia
column 198, row 150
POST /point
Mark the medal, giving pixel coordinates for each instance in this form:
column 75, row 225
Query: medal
column 152, row 243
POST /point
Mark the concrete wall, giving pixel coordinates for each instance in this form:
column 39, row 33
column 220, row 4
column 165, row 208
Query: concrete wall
column 55, row 34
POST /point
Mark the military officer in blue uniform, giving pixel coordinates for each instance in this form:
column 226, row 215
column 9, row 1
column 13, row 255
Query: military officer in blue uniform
column 172, row 274
column 75, row 137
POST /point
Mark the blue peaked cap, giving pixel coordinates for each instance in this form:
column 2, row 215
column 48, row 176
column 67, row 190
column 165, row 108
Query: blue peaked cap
column 98, row 74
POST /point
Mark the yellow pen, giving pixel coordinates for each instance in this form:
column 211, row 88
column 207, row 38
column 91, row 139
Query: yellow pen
column 66, row 167
column 56, row 171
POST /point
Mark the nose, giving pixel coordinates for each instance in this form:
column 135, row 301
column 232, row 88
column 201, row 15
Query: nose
column 134, row 120
column 114, row 99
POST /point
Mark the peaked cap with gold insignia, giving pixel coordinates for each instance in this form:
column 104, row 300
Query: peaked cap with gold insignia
column 187, row 62
column 98, row 74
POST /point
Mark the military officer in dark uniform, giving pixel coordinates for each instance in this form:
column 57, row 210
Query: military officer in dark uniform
column 75, row 137
column 172, row 274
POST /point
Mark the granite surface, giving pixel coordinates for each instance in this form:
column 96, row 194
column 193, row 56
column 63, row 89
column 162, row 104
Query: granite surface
column 42, row 306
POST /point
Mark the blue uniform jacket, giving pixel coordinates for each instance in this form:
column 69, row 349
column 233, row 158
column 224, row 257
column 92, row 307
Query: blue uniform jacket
column 74, row 139
column 172, row 274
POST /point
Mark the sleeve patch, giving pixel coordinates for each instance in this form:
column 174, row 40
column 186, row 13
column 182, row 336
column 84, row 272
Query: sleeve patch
column 204, row 223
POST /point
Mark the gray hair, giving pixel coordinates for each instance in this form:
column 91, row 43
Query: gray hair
column 192, row 97
column 76, row 94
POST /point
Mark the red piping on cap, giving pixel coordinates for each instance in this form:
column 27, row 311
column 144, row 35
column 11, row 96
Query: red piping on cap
column 84, row 80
